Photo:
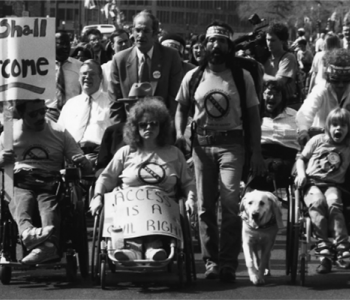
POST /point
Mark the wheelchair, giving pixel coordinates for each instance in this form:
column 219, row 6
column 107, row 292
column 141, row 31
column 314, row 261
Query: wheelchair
column 180, row 251
column 300, row 242
column 73, row 245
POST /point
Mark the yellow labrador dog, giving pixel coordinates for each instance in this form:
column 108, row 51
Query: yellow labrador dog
column 262, row 218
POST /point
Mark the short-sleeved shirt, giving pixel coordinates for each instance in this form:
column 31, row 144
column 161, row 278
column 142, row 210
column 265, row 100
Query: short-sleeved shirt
column 326, row 161
column 217, row 100
column 44, row 149
column 284, row 66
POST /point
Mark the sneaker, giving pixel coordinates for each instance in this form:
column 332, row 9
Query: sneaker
column 156, row 254
column 325, row 266
column 127, row 254
column 43, row 253
column 212, row 272
column 33, row 237
column 227, row 274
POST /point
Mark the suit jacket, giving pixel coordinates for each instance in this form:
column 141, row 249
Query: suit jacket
column 166, row 76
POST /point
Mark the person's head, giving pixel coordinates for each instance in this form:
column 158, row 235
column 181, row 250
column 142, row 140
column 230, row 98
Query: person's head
column 340, row 35
column 32, row 112
column 62, row 45
column 337, row 63
column 197, row 49
column 302, row 44
column 119, row 40
column 175, row 41
column 145, row 30
column 346, row 31
column 148, row 118
column 277, row 36
column 275, row 98
column 90, row 76
column 94, row 37
column 218, row 44
column 331, row 42
column 338, row 125
column 301, row 32
column 323, row 33
column 81, row 53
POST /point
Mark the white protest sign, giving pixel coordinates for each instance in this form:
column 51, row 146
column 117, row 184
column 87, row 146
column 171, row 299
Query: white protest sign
column 141, row 211
column 27, row 71
column 27, row 59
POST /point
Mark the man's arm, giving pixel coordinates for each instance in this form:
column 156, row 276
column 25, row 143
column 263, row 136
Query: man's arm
column 181, row 117
column 117, row 111
column 257, row 162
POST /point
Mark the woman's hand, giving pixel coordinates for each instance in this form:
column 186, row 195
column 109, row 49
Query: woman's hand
column 96, row 205
column 300, row 181
column 7, row 157
column 191, row 206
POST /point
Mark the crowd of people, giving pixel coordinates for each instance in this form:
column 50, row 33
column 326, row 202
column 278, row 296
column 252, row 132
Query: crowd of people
column 212, row 102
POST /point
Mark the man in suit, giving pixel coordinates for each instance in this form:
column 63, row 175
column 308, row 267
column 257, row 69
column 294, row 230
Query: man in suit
column 94, row 38
column 162, row 63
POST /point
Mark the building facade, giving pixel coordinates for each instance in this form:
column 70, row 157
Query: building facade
column 180, row 16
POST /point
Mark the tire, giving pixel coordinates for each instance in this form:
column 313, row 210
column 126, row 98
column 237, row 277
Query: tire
column 5, row 274
column 302, row 271
column 83, row 246
column 103, row 274
column 71, row 268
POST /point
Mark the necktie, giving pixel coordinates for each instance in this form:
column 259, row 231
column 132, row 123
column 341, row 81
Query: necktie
column 83, row 120
column 60, row 87
column 144, row 70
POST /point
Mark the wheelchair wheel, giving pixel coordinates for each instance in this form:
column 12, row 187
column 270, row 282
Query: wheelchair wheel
column 5, row 274
column 96, row 247
column 103, row 273
column 82, row 245
column 295, row 235
column 71, row 268
column 302, row 270
column 289, row 236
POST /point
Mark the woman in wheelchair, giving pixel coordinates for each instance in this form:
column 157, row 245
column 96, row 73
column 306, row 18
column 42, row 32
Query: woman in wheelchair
column 320, row 168
column 278, row 139
column 147, row 159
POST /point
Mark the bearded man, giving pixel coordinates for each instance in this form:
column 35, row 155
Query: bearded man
column 224, row 101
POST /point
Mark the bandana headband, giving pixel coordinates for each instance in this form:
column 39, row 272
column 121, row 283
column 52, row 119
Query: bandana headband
column 218, row 31
column 173, row 44
column 333, row 70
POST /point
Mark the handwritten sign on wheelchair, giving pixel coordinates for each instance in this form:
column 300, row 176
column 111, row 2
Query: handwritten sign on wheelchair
column 27, row 58
column 141, row 211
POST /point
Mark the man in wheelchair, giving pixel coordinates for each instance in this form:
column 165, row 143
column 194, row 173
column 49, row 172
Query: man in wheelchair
column 40, row 148
column 321, row 168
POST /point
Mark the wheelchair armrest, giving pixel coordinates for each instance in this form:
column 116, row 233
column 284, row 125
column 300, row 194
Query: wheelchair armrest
column 71, row 174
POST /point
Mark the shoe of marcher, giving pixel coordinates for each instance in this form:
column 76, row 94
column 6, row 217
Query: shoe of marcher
column 41, row 254
column 325, row 266
column 156, row 254
column 212, row 272
column 33, row 237
column 127, row 255
column 227, row 274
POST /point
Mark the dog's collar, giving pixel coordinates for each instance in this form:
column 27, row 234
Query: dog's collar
column 270, row 223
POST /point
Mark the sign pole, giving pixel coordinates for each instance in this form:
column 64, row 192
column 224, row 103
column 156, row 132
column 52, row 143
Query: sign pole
column 8, row 145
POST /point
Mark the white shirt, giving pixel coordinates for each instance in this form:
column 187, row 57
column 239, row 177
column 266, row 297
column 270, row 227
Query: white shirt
column 281, row 130
column 99, row 116
column 318, row 68
column 319, row 103
column 106, row 73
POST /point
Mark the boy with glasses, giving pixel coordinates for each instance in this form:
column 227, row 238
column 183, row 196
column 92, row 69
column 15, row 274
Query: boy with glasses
column 324, row 98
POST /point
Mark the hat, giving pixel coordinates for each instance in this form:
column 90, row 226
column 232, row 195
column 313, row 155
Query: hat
column 173, row 40
column 217, row 30
column 138, row 90
column 301, row 29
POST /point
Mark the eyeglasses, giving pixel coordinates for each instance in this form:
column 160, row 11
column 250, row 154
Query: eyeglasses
column 35, row 113
column 144, row 125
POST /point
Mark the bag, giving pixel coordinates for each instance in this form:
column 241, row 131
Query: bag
column 36, row 179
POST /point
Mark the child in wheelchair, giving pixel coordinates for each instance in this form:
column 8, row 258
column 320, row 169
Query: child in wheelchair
column 321, row 168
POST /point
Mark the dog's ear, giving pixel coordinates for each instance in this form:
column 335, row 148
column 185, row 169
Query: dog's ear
column 276, row 209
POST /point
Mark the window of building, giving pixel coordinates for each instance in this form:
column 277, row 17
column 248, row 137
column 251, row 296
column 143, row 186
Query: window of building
column 132, row 2
column 192, row 4
column 124, row 2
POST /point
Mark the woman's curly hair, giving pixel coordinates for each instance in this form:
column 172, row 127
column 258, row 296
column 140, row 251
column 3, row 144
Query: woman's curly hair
column 157, row 109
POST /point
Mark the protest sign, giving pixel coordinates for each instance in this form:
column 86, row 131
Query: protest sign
column 141, row 211
column 27, row 71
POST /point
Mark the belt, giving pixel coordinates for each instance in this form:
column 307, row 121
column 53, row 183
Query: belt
column 228, row 133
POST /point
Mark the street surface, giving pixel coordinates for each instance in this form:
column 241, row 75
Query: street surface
column 51, row 284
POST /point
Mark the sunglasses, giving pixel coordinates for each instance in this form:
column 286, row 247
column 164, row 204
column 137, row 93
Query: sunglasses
column 144, row 125
column 35, row 113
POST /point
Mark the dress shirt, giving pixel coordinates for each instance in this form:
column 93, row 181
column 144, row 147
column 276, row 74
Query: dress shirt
column 71, row 68
column 281, row 130
column 99, row 117
column 319, row 103
column 106, row 73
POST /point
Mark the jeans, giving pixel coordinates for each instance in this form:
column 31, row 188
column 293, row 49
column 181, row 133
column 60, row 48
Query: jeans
column 218, row 171
column 24, row 204
column 326, row 213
